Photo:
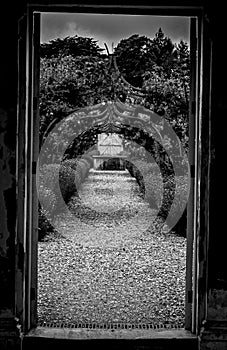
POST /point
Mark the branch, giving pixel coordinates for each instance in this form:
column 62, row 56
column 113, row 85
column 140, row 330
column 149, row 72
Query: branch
column 107, row 49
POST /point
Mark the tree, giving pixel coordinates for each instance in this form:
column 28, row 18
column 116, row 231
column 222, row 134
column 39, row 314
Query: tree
column 163, row 52
column 182, row 67
column 133, row 58
column 71, row 72
column 138, row 54
column 167, row 91
column 68, row 83
column 162, row 70
column 70, row 46
column 75, row 74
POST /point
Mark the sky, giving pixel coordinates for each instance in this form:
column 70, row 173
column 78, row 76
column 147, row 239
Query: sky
column 110, row 29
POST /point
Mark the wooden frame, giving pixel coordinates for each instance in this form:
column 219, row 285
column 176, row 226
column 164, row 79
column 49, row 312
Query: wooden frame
column 27, row 152
column 189, row 310
column 28, row 121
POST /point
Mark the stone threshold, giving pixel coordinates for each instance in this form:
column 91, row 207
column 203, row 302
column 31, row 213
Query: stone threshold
column 43, row 338
column 83, row 333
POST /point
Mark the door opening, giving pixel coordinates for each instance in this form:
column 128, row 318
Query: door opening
column 122, row 279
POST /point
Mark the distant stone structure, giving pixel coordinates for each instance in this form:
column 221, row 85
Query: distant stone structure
column 110, row 144
column 111, row 150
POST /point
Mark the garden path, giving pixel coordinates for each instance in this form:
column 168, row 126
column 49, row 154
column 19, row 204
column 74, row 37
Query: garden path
column 110, row 263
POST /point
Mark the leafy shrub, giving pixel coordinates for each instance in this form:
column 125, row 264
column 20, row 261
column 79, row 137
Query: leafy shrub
column 129, row 167
column 169, row 194
column 146, row 167
column 181, row 192
column 67, row 181
column 179, row 205
column 72, row 173
column 78, row 164
column 153, row 190
column 48, row 201
column 48, row 198
column 175, row 196
column 44, row 226
column 181, row 165
column 135, row 172
column 49, row 176
column 72, row 162
column 142, row 171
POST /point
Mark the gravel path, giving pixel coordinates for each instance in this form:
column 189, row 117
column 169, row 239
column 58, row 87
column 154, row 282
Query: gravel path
column 110, row 263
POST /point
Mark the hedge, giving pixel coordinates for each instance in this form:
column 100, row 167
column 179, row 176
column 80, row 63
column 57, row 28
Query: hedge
column 70, row 175
column 162, row 193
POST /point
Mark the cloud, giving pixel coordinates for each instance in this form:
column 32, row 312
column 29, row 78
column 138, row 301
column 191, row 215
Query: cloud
column 111, row 28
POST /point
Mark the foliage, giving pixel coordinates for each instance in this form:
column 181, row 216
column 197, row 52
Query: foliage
column 168, row 93
column 48, row 176
column 162, row 193
column 71, row 174
column 68, row 83
column 48, row 197
column 51, row 174
column 133, row 58
column 75, row 74
column 44, row 226
column 139, row 54
column 67, row 181
column 73, row 46
column 162, row 70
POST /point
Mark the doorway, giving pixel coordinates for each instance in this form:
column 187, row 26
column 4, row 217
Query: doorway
column 188, row 245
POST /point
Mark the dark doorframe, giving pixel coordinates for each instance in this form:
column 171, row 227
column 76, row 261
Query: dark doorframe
column 28, row 121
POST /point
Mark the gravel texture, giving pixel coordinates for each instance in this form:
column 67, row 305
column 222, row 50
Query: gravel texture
column 110, row 263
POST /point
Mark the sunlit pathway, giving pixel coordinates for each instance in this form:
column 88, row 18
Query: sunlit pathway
column 110, row 264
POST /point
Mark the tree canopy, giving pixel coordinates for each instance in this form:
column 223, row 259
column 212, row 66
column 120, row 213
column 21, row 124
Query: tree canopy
column 139, row 54
column 74, row 46
column 74, row 73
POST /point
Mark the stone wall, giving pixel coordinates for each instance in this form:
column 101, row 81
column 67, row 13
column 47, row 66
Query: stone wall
column 9, row 329
column 214, row 335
